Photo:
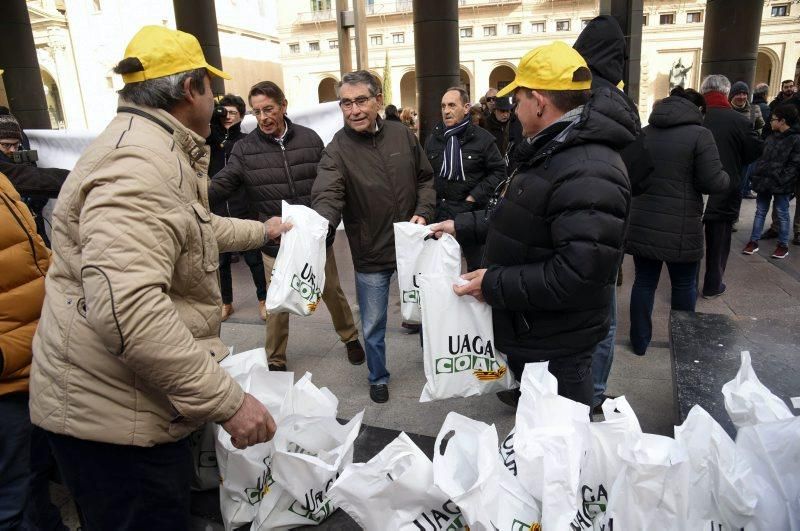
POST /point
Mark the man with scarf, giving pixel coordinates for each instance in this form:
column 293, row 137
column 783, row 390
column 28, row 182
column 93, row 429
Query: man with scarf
column 467, row 165
column 738, row 145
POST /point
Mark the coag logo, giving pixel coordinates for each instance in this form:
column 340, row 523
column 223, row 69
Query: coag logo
column 471, row 355
column 594, row 505
column 411, row 295
column 255, row 494
column 306, row 286
column 315, row 506
column 448, row 518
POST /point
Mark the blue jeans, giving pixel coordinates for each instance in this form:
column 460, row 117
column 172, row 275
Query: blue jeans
column 14, row 459
column 373, row 301
column 603, row 355
column 682, row 276
column 746, row 186
column 781, row 207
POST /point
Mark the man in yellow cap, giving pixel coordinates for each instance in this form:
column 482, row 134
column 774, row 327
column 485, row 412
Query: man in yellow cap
column 554, row 238
column 125, row 358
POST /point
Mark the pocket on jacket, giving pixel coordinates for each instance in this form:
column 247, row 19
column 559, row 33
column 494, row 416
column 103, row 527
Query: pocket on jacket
column 208, row 241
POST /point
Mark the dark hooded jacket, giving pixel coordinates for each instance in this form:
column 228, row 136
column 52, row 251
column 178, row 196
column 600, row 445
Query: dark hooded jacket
column 778, row 169
column 554, row 241
column 665, row 221
column 602, row 45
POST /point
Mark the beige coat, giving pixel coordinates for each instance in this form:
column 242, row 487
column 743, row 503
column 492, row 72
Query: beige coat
column 128, row 346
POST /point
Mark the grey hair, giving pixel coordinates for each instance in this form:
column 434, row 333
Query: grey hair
column 715, row 83
column 761, row 88
column 361, row 77
column 163, row 92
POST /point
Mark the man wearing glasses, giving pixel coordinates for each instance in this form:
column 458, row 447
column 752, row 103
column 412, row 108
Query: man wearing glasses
column 278, row 162
column 371, row 175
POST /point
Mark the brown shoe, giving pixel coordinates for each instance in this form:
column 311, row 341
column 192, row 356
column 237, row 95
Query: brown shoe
column 750, row 248
column 262, row 310
column 781, row 252
column 227, row 311
column 355, row 352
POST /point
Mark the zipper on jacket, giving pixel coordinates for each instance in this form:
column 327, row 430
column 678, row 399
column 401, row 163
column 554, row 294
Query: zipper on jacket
column 292, row 189
column 25, row 230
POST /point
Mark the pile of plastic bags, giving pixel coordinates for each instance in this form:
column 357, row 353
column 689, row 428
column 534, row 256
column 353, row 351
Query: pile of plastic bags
column 556, row 470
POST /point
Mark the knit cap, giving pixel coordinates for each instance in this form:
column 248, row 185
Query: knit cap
column 740, row 87
column 9, row 127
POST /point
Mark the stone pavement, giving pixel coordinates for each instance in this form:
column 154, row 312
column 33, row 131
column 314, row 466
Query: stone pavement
column 758, row 287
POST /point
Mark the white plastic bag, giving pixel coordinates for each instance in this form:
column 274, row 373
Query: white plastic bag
column 549, row 443
column 298, row 276
column 459, row 355
column 245, row 474
column 748, row 401
column 310, row 452
column 438, row 257
column 721, row 493
column 409, row 239
column 601, row 463
column 652, row 489
column 204, row 456
column 395, row 490
column 466, row 468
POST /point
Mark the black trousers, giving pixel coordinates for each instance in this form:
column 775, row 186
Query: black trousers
column 718, row 247
column 573, row 374
column 256, row 265
column 127, row 488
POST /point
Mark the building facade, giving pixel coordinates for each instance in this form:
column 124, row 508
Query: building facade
column 495, row 34
column 295, row 43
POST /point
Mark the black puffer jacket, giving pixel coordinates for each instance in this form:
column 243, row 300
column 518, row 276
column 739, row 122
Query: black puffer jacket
column 221, row 143
column 484, row 169
column 602, row 44
column 554, row 241
column 778, row 169
column 270, row 173
column 665, row 221
column 738, row 145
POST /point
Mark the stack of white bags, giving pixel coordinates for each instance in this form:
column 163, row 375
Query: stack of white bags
column 555, row 470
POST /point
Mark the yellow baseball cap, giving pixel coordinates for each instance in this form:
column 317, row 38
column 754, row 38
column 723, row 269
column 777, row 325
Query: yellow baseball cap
column 163, row 52
column 549, row 67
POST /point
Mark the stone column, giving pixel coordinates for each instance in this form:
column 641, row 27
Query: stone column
column 22, row 78
column 199, row 17
column 730, row 39
column 436, row 57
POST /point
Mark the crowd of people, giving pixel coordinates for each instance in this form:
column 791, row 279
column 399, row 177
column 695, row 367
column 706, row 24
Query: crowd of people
column 111, row 359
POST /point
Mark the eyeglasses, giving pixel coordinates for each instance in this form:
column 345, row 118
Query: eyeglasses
column 358, row 102
column 491, row 98
column 10, row 145
column 265, row 111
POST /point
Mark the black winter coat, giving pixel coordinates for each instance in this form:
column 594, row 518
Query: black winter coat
column 484, row 169
column 778, row 169
column 738, row 145
column 602, row 44
column 270, row 173
column 554, row 241
column 221, row 143
column 666, row 219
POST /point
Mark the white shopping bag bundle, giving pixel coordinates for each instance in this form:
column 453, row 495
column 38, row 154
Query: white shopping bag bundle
column 601, row 463
column 409, row 239
column 298, row 276
column 246, row 474
column 460, row 358
column 466, row 468
column 549, row 443
column 767, row 443
column 310, row 452
column 395, row 490
column 652, row 489
column 721, row 490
